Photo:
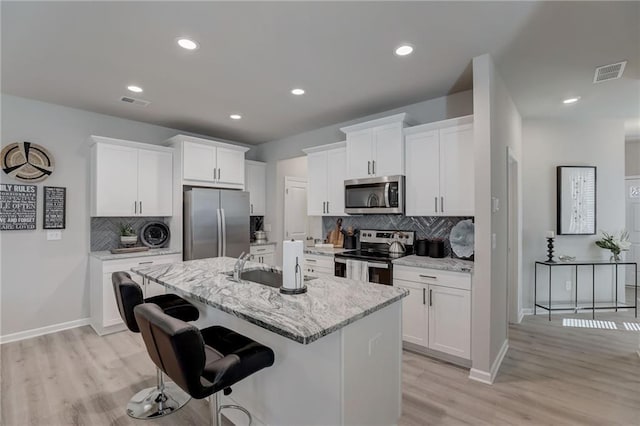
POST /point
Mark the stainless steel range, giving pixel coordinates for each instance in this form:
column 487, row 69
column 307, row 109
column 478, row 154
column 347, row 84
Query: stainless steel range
column 373, row 261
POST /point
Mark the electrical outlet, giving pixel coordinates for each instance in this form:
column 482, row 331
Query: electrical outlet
column 494, row 241
column 54, row 235
column 567, row 285
column 495, row 204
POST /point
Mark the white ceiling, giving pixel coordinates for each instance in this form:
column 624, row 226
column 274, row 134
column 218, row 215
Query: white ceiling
column 84, row 54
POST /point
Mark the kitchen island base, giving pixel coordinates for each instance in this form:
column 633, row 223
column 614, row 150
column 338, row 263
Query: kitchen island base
column 349, row 377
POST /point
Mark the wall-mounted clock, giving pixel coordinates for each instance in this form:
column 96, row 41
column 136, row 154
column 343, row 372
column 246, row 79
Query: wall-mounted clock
column 27, row 161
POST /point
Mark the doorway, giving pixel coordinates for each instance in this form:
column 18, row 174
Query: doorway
column 514, row 303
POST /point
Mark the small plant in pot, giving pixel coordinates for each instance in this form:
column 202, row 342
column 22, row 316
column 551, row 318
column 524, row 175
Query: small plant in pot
column 128, row 236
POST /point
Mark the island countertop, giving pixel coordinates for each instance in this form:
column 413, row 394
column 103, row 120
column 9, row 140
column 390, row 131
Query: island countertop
column 329, row 304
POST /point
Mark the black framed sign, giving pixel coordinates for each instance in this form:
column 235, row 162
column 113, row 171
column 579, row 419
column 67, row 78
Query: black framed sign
column 576, row 191
column 18, row 206
column 55, row 207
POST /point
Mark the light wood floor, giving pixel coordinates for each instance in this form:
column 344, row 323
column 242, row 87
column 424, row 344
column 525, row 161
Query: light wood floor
column 552, row 375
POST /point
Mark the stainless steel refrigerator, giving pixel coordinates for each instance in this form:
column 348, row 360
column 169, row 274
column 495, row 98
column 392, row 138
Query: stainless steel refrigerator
column 216, row 223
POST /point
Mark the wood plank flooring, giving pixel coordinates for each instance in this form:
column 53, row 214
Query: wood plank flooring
column 552, row 375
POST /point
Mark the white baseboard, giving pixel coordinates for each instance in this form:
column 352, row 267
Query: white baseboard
column 27, row 334
column 523, row 312
column 489, row 377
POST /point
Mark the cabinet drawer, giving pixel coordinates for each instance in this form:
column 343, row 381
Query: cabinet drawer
column 109, row 266
column 314, row 261
column 262, row 250
column 451, row 279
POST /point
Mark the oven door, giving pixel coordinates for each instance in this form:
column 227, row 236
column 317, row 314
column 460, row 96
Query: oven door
column 377, row 272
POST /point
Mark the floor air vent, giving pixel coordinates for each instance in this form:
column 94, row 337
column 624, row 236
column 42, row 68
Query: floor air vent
column 609, row 72
column 134, row 101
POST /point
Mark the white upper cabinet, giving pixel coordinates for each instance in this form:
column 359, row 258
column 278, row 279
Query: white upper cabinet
column 440, row 168
column 130, row 178
column 375, row 148
column 211, row 163
column 255, row 183
column 326, row 169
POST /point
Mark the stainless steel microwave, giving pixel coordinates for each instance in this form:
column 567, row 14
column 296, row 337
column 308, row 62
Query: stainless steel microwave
column 379, row 195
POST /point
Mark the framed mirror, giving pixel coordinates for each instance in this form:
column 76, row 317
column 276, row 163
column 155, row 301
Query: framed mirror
column 576, row 191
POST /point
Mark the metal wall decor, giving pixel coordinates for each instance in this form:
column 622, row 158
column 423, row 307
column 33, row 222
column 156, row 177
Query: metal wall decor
column 18, row 206
column 27, row 161
column 576, row 192
column 55, row 207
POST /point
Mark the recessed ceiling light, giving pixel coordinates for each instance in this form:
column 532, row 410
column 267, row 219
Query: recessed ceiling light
column 135, row 89
column 235, row 116
column 404, row 50
column 297, row 91
column 571, row 100
column 188, row 44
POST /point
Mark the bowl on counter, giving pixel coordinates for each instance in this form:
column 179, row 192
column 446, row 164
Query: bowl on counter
column 261, row 236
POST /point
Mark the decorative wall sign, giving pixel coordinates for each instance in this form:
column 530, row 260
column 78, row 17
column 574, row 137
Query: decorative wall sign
column 18, row 206
column 576, row 191
column 55, row 207
column 27, row 161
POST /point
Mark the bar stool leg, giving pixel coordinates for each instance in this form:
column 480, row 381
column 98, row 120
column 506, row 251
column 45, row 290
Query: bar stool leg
column 214, row 410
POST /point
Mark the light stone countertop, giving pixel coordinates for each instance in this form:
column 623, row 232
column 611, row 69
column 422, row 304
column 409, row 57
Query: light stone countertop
column 325, row 251
column 330, row 303
column 444, row 264
column 107, row 255
column 263, row 243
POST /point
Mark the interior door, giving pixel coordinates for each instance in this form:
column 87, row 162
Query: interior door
column 423, row 174
column 199, row 161
column 116, row 180
column 388, row 150
column 230, row 163
column 359, row 154
column 456, row 170
column 317, row 181
column 155, row 179
column 336, row 175
column 633, row 223
column 295, row 208
column 235, row 225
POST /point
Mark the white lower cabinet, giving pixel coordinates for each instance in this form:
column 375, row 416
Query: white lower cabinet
column 264, row 254
column 437, row 313
column 105, row 317
column 318, row 265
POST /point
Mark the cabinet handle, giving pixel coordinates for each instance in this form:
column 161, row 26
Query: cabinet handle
column 435, row 200
column 428, row 276
column 135, row 207
column 145, row 263
column 219, row 173
column 252, row 208
column 374, row 166
column 140, row 207
column 310, row 260
column 327, row 207
column 368, row 167
column 262, row 250
column 430, row 297
column 324, row 207
column 424, row 296
column 442, row 204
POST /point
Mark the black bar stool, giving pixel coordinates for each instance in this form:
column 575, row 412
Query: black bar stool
column 164, row 398
column 201, row 362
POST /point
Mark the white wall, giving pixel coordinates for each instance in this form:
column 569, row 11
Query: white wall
column 632, row 157
column 550, row 143
column 46, row 282
column 497, row 125
column 455, row 105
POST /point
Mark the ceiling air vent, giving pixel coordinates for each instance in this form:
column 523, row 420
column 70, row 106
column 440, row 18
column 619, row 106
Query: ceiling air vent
column 609, row 72
column 134, row 101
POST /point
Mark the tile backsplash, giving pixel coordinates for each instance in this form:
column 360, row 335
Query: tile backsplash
column 424, row 227
column 105, row 231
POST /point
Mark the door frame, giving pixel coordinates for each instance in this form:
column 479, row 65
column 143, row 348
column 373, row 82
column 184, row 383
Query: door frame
column 514, row 240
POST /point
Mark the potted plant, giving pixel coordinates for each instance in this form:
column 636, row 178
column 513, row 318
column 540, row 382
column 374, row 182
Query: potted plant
column 614, row 244
column 128, row 236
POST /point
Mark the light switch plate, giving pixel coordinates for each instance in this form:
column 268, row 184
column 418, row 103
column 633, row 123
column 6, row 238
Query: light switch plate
column 54, row 235
column 494, row 241
column 495, row 204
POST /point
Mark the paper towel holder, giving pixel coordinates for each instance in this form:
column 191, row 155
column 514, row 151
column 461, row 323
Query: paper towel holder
column 299, row 290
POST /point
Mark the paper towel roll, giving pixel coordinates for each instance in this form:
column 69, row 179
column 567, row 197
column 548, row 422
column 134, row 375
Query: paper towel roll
column 292, row 255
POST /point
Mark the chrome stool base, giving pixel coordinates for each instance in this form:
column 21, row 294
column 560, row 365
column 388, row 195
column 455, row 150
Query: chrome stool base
column 158, row 401
column 216, row 410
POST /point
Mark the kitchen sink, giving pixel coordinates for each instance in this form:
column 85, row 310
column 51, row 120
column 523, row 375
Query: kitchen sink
column 269, row 277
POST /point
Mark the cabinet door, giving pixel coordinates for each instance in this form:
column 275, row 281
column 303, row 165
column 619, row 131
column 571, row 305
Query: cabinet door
column 414, row 313
column 336, row 174
column 110, row 313
column 116, row 180
column 255, row 183
column 317, row 183
column 388, row 150
column 359, row 154
column 450, row 320
column 199, row 161
column 423, row 174
column 457, row 170
column 230, row 166
column 268, row 259
column 155, row 183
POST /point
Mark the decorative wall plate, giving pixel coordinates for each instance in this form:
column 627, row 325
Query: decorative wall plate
column 27, row 161
column 462, row 238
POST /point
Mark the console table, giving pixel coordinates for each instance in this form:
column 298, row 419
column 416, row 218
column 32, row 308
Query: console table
column 593, row 306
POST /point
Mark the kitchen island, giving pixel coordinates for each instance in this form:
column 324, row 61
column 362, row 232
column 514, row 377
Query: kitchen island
column 338, row 347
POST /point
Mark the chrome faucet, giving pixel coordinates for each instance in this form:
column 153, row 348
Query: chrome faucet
column 239, row 266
